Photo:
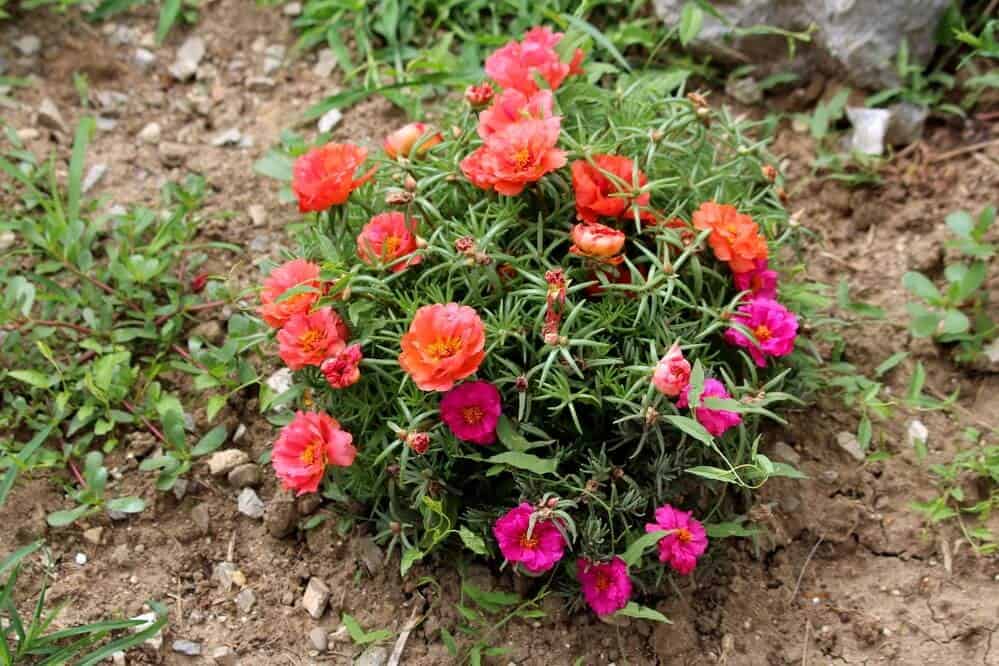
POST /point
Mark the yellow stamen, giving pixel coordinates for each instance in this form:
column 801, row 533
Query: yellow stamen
column 471, row 415
column 442, row 348
column 762, row 333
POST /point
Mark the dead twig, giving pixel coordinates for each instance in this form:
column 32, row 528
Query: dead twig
column 801, row 574
column 957, row 152
column 414, row 619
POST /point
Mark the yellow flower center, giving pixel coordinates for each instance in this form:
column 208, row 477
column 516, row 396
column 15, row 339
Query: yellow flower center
column 313, row 454
column 522, row 157
column 603, row 581
column 311, row 341
column 391, row 245
column 762, row 333
column 683, row 535
column 472, row 414
column 529, row 542
column 442, row 348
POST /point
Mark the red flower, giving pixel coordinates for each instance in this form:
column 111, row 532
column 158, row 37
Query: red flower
column 514, row 106
column 306, row 446
column 479, row 95
column 324, row 177
column 386, row 238
column 597, row 241
column 274, row 308
column 311, row 338
column 401, row 141
column 516, row 64
column 608, row 188
column 342, row 369
column 519, row 154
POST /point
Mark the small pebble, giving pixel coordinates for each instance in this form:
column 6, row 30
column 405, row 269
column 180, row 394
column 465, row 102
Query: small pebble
column 81, row 559
column 190, row 648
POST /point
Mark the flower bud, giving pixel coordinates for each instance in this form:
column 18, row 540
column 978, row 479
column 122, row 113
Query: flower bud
column 198, row 282
column 465, row 245
column 400, row 143
column 479, row 95
column 410, row 183
column 769, row 172
column 520, row 384
column 597, row 241
column 397, row 198
column 419, row 442
column 395, row 527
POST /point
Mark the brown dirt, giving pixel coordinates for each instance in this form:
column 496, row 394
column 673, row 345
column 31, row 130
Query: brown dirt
column 847, row 572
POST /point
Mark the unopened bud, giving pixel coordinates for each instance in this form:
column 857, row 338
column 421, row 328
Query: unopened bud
column 769, row 172
column 392, row 470
column 421, row 242
column 592, row 486
column 521, row 383
column 656, row 135
column 651, row 416
column 419, row 442
column 483, row 259
column 397, row 198
column 395, row 527
column 697, row 99
column 410, row 183
column 783, row 195
column 465, row 244
column 617, row 473
column 456, row 131
column 552, row 502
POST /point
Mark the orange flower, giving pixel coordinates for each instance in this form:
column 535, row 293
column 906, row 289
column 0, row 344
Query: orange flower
column 296, row 273
column 597, row 241
column 735, row 238
column 445, row 343
column 599, row 195
column 516, row 155
column 401, row 141
column 386, row 238
column 324, row 177
column 311, row 338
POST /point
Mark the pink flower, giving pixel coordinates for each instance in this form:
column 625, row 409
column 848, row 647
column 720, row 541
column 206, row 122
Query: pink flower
column 761, row 281
column 515, row 65
column 773, row 325
column 514, row 106
column 295, row 273
column 685, row 542
column 306, row 446
column 672, row 373
column 311, row 338
column 342, row 369
column 716, row 421
column 386, row 239
column 606, row 585
column 537, row 549
column 516, row 155
column 472, row 410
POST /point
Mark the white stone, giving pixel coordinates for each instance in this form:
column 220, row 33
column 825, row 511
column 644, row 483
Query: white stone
column 118, row 658
column 189, row 56
column 150, row 133
column 230, row 137
column 241, row 429
column 149, row 619
column 917, row 432
column 869, row 127
column 94, row 175
column 245, row 600
column 329, row 120
column 317, row 595
column 280, row 382
column 81, row 559
column 250, row 504
column 189, row 648
column 28, row 45
column 848, row 442
column 223, row 462
column 273, row 57
column 144, row 58
column 49, row 116
column 325, row 64
column 293, row 9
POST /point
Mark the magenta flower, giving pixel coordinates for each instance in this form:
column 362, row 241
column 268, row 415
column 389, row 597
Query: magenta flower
column 685, row 540
column 606, row 585
column 537, row 549
column 472, row 410
column 761, row 281
column 774, row 326
column 716, row 421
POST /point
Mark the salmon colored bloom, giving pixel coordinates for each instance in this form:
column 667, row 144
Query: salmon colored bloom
column 444, row 344
column 514, row 106
column 774, row 327
column 342, row 369
column 672, row 373
column 386, row 238
column 685, row 539
column 479, row 95
column 324, row 177
column 715, row 421
column 601, row 195
column 310, row 338
column 520, row 153
column 402, row 141
column 597, row 241
column 306, row 446
column 735, row 238
column 606, row 585
column 761, row 281
column 296, row 273
column 472, row 410
column 516, row 64
column 537, row 548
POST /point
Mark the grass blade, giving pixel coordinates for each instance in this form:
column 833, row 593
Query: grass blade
column 597, row 37
column 168, row 16
column 84, row 130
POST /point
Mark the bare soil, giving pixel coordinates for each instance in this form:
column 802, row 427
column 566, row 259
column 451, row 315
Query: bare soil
column 846, row 573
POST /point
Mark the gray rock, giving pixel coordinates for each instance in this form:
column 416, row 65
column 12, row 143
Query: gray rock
column 848, row 442
column 917, row 433
column 122, row 35
column 189, row 56
column 906, row 124
column 370, row 554
column 273, row 57
column 281, row 518
column 140, row 443
column 111, row 101
column 859, row 39
column 325, row 63
column 190, row 648
column 329, row 120
column 317, row 595
column 245, row 476
column 230, row 137
column 250, row 504
column 49, row 116
column 106, row 124
column 173, row 154
column 202, row 519
column 210, row 331
column 116, row 515
column 240, row 430
column 784, row 452
column 223, row 656
column 376, row 655
column 118, row 658
column 150, row 133
column 144, row 58
column 745, row 90
column 28, row 45
column 319, row 639
column 93, row 535
column 308, row 503
column 180, row 489
column 245, row 600
column 224, row 461
column 227, row 575
column 94, row 175
column 869, row 127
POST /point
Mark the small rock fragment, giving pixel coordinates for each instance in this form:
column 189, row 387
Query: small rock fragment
column 118, row 658
column 49, row 116
column 81, row 559
column 28, row 45
column 370, row 554
column 260, row 83
column 376, row 655
column 144, row 58
column 325, row 64
column 273, row 57
column 906, row 123
column 223, row 462
column 250, row 504
column 319, row 638
column 848, row 442
column 745, row 90
column 258, row 216
column 150, row 133
column 280, row 381
column 224, row 656
column 106, row 124
column 210, row 331
column 228, row 575
column 240, row 431
column 282, row 516
column 180, row 488
column 93, row 535
column 783, row 451
column 230, row 137
column 329, row 120
column 189, row 56
column 190, row 648
column 317, row 595
column 917, row 433
column 308, row 503
column 245, row 600
column 293, row 9
column 202, row 518
column 245, row 476
column 94, row 174
column 869, row 127
column 173, row 154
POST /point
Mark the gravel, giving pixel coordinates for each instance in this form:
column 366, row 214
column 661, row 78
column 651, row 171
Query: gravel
column 250, row 504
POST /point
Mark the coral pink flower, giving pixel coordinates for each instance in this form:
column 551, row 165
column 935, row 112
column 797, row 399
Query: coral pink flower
column 444, row 344
column 686, row 539
column 296, row 273
column 472, row 410
column 597, row 241
column 715, row 421
column 401, row 141
column 419, row 442
column 599, row 195
column 516, row 64
column 516, row 155
column 606, row 585
column 735, row 238
column 386, row 238
column 342, row 369
column 537, row 549
column 761, row 281
column 310, row 338
column 514, row 106
column 306, row 446
column 672, row 373
column 479, row 95
column 773, row 325
column 324, row 177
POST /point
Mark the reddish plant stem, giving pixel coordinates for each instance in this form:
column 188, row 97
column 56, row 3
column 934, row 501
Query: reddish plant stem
column 103, row 286
column 76, row 473
column 191, row 308
column 187, row 357
column 54, row 323
column 153, row 429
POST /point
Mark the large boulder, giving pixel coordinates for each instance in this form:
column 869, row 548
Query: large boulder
column 858, row 39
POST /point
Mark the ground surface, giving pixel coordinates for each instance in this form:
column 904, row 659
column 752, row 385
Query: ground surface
column 847, row 574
